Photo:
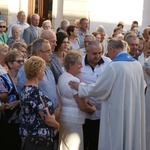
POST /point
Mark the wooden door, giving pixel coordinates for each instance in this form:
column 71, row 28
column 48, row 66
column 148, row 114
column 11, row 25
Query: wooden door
column 41, row 7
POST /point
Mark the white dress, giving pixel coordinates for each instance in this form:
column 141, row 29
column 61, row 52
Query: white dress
column 71, row 117
column 121, row 89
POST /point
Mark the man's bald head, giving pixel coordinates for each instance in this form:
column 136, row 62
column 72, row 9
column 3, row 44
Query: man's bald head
column 50, row 36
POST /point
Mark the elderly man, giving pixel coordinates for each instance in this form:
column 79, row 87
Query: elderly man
column 93, row 64
column 63, row 25
column 47, row 85
column 33, row 31
column 21, row 20
column 83, row 30
column 121, row 89
column 104, row 36
column 87, row 38
column 133, row 43
column 51, row 37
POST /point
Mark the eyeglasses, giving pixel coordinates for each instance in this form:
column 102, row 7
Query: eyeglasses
column 19, row 61
column 65, row 42
column 2, row 26
column 46, row 51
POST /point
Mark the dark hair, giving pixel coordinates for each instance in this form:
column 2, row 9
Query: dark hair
column 134, row 22
column 60, row 37
column 116, row 29
column 82, row 19
column 70, row 29
column 37, row 45
column 132, row 28
column 120, row 25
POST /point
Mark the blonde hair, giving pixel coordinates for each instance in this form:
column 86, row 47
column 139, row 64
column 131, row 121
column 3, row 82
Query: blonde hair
column 34, row 66
column 46, row 21
column 18, row 45
column 71, row 57
column 3, row 46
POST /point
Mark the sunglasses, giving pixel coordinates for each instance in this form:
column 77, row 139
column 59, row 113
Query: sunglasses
column 2, row 26
column 19, row 61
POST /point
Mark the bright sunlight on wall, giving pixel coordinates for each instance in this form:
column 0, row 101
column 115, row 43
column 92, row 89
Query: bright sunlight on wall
column 113, row 11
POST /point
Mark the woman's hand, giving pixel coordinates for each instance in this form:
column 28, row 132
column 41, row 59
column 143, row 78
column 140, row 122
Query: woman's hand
column 12, row 105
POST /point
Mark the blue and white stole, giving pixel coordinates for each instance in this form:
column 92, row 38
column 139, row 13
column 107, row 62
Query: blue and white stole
column 124, row 56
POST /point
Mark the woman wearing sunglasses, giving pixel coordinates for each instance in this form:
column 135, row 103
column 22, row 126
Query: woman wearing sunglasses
column 14, row 59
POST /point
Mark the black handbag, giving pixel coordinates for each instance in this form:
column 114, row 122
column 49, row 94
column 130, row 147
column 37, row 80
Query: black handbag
column 37, row 143
column 12, row 116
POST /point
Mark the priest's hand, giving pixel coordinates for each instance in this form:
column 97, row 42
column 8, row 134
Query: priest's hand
column 74, row 85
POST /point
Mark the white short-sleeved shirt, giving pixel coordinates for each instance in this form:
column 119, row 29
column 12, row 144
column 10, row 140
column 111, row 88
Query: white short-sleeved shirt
column 90, row 75
column 75, row 45
column 70, row 111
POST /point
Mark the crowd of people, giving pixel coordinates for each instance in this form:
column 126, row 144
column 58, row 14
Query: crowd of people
column 74, row 89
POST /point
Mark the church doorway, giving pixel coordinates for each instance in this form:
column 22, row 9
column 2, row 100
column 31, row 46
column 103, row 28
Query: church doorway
column 41, row 7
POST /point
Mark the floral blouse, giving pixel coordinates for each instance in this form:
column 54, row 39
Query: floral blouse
column 11, row 41
column 31, row 122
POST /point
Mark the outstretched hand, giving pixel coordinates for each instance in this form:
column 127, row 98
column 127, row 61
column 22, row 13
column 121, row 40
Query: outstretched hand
column 74, row 85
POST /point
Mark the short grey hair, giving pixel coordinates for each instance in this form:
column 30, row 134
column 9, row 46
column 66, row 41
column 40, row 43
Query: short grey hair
column 64, row 23
column 71, row 57
column 2, row 21
column 116, row 43
column 93, row 43
column 89, row 35
column 130, row 37
column 16, row 27
column 37, row 45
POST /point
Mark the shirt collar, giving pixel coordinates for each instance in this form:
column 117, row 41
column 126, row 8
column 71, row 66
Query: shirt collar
column 34, row 27
column 80, row 32
column 101, row 61
column 18, row 22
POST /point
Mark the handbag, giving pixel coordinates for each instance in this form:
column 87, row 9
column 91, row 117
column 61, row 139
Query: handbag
column 37, row 143
column 12, row 116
